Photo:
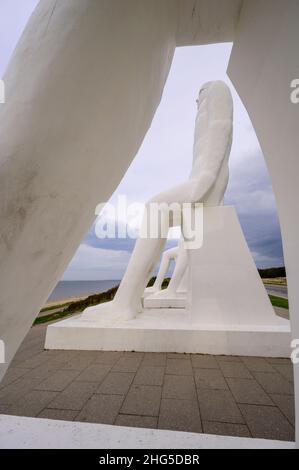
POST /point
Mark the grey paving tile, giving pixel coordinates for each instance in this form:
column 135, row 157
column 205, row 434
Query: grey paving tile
column 279, row 360
column 41, row 372
column 181, row 387
column 204, row 361
column 210, row 379
column 133, row 354
column 25, row 355
column 94, row 373
column 224, row 358
column 116, row 383
column 127, row 364
column 135, row 421
column 179, row 415
column 248, row 391
column 257, row 364
column 13, row 392
column 286, row 370
column 274, row 383
column 143, row 400
column 267, row 422
column 154, row 359
column 235, row 370
column 179, row 367
column 56, row 363
column 178, row 356
column 108, row 358
column 218, row 405
column 58, row 381
column 12, row 374
column 74, row 396
column 63, row 415
column 286, row 404
column 64, row 356
column 101, row 409
column 225, row 429
column 31, row 404
column 35, row 360
column 149, row 375
column 79, row 362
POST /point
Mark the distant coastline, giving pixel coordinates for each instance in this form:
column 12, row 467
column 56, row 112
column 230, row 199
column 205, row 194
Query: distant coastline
column 74, row 290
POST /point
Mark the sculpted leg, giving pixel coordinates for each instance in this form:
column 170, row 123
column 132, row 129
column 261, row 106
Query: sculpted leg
column 178, row 273
column 127, row 301
column 167, row 256
column 81, row 91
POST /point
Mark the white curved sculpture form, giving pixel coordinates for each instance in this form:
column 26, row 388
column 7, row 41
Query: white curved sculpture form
column 81, row 70
column 207, row 183
column 65, row 87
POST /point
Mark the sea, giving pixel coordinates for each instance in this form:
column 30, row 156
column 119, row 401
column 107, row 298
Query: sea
column 70, row 289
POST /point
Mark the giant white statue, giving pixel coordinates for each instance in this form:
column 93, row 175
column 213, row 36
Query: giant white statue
column 206, row 184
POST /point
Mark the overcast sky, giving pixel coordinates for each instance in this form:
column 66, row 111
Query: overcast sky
column 165, row 156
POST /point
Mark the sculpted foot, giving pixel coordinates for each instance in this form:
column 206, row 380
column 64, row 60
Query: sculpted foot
column 107, row 313
column 164, row 294
column 151, row 290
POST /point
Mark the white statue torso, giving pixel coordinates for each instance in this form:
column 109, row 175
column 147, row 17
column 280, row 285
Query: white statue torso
column 201, row 157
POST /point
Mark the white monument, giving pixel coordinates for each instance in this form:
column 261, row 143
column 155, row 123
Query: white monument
column 226, row 309
column 123, row 50
column 206, row 184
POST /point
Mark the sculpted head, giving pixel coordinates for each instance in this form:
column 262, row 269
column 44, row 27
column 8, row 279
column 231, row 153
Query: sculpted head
column 203, row 93
column 216, row 93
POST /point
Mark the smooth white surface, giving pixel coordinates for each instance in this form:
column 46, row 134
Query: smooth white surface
column 206, row 185
column 263, row 63
column 36, row 433
column 226, row 288
column 170, row 330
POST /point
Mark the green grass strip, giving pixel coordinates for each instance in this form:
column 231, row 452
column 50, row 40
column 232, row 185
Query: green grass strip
column 279, row 301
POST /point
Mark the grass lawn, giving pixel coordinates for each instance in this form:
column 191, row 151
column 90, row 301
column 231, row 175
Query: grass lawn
column 279, row 301
column 278, row 281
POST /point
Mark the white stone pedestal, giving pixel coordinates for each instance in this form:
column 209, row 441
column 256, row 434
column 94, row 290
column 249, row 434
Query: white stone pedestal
column 225, row 287
column 228, row 310
column 178, row 300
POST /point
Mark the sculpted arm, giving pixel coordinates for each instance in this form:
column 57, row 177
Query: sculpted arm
column 219, row 139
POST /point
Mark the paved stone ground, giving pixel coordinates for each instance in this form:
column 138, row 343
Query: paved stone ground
column 238, row 396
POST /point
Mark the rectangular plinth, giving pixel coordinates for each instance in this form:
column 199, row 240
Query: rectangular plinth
column 172, row 331
column 18, row 432
column 175, row 302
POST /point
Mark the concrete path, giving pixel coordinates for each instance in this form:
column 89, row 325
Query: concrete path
column 279, row 291
column 236, row 396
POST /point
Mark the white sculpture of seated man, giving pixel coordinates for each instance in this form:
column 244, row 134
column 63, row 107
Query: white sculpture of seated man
column 206, row 184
